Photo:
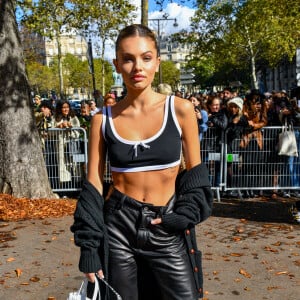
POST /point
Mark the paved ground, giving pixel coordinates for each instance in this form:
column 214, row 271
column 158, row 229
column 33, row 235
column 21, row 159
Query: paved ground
column 251, row 250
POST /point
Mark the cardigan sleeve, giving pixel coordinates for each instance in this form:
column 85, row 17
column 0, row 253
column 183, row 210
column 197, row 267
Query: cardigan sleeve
column 194, row 201
column 88, row 229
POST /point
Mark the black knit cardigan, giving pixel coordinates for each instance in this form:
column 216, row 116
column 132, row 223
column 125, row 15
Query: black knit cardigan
column 193, row 205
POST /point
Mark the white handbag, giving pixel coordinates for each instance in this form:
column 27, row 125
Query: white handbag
column 81, row 293
column 287, row 144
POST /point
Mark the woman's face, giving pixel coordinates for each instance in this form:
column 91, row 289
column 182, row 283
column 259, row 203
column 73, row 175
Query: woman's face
column 215, row 105
column 65, row 109
column 110, row 102
column 233, row 109
column 195, row 101
column 256, row 105
column 137, row 61
column 85, row 109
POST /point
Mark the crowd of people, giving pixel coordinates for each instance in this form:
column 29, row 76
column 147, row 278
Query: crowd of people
column 61, row 146
column 241, row 116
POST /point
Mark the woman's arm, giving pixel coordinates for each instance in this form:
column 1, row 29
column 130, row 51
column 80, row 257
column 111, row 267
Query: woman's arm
column 190, row 135
column 96, row 154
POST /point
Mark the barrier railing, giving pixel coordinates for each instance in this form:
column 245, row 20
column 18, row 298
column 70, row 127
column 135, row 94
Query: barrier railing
column 231, row 167
column 65, row 154
column 239, row 167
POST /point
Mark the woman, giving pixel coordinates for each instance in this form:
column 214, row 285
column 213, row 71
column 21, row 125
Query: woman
column 146, row 223
column 217, row 123
column 109, row 99
column 237, row 126
column 65, row 118
column 201, row 114
column 252, row 141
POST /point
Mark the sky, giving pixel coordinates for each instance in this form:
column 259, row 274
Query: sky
column 181, row 12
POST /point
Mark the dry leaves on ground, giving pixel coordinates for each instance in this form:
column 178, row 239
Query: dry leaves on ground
column 15, row 209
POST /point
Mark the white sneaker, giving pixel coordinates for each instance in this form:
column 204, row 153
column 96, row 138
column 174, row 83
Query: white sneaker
column 296, row 194
column 286, row 195
column 295, row 214
column 296, row 217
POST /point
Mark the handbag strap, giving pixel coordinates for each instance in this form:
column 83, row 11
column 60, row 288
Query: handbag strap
column 83, row 289
column 111, row 288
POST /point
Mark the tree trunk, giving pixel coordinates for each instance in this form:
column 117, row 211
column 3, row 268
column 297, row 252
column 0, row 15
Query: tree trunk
column 60, row 68
column 22, row 167
column 103, row 67
column 254, row 82
column 144, row 17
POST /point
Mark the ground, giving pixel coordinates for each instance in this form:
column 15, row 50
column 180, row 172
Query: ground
column 251, row 250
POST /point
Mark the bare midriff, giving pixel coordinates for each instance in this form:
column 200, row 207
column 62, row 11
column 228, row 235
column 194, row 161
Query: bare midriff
column 154, row 187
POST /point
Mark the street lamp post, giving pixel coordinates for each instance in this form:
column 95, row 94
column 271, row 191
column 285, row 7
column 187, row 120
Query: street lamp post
column 91, row 64
column 165, row 17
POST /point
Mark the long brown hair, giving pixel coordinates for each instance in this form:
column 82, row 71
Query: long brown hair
column 136, row 30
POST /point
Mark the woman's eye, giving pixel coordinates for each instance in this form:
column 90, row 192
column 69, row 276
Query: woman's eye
column 147, row 58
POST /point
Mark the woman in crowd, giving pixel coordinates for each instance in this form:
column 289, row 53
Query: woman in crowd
column 149, row 222
column 237, row 126
column 252, row 141
column 110, row 99
column 65, row 118
column 201, row 114
column 217, row 121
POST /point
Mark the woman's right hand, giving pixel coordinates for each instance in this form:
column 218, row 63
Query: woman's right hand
column 91, row 276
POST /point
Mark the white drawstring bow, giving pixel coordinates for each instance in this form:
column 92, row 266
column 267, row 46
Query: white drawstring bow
column 135, row 147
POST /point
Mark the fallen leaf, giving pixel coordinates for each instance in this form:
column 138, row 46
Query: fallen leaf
column 269, row 288
column 281, row 273
column 277, row 244
column 297, row 262
column 10, row 259
column 240, row 229
column 34, row 279
column 245, row 273
column 267, row 248
column 24, row 283
column 236, row 254
column 18, row 272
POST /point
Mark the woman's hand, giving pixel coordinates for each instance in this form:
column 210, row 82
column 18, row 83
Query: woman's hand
column 91, row 276
column 198, row 114
column 156, row 221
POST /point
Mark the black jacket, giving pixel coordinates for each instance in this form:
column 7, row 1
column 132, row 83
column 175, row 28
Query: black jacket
column 89, row 230
column 193, row 205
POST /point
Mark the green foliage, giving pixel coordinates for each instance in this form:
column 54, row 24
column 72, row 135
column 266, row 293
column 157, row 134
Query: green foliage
column 241, row 34
column 41, row 78
column 99, row 19
column 170, row 74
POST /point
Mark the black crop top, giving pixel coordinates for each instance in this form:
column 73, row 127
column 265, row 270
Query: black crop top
column 161, row 151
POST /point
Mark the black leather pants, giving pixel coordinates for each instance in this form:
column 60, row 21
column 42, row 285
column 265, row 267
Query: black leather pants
column 145, row 261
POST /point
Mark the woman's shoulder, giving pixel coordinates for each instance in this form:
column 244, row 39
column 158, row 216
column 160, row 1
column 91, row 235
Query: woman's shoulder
column 183, row 106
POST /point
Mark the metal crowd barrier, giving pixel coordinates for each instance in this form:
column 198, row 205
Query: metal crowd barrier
column 231, row 167
column 65, row 154
column 234, row 167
